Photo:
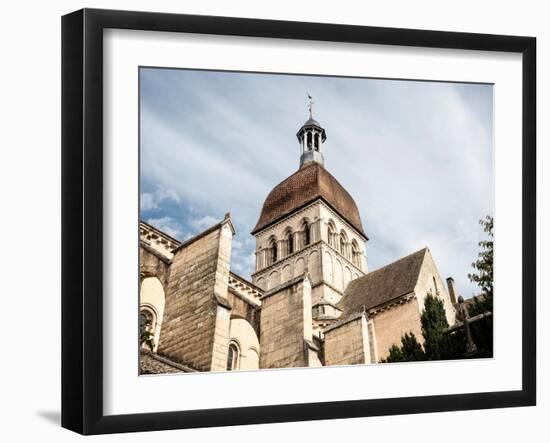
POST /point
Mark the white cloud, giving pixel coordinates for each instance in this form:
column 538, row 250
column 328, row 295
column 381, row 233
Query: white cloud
column 152, row 200
column 204, row 222
column 416, row 156
column 168, row 225
column 147, row 201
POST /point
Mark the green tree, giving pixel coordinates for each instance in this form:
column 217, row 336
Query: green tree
column 395, row 355
column 434, row 324
column 410, row 350
column 483, row 271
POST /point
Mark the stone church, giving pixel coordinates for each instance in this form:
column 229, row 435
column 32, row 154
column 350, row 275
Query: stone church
column 312, row 300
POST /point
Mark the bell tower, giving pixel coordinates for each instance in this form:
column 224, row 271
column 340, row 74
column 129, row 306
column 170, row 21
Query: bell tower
column 310, row 224
column 311, row 137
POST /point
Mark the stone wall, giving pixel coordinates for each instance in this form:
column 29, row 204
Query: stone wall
column 153, row 300
column 244, row 309
column 347, row 342
column 429, row 280
column 245, row 338
column 286, row 326
column 152, row 264
column 329, row 270
column 392, row 323
column 195, row 329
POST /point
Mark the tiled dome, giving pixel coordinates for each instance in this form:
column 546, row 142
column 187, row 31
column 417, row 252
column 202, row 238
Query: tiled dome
column 309, row 183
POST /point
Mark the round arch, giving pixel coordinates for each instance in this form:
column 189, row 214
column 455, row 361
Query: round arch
column 272, row 250
column 305, row 225
column 243, row 336
column 152, row 298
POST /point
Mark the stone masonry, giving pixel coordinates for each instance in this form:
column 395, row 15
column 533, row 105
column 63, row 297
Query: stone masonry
column 286, row 326
column 347, row 342
column 196, row 323
column 312, row 300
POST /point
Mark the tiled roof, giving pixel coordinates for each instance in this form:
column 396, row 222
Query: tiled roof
column 384, row 284
column 152, row 363
column 309, row 183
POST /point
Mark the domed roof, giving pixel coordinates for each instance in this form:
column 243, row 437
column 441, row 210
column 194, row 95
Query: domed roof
column 311, row 122
column 309, row 183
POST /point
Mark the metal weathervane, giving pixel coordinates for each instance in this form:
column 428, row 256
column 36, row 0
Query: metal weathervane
column 310, row 104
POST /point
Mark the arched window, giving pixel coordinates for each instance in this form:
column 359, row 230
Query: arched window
column 289, row 243
column 316, row 141
column 274, row 252
column 147, row 325
column 342, row 245
column 233, row 357
column 330, row 235
column 307, row 237
column 309, row 139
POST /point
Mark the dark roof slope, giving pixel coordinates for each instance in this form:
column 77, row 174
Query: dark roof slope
column 309, row 183
column 384, row 284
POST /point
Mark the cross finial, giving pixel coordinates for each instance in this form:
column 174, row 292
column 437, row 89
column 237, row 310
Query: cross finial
column 310, row 104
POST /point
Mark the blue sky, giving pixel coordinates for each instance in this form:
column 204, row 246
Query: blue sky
column 417, row 157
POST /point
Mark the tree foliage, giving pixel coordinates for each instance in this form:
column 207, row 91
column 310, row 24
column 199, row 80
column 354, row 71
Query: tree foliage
column 438, row 344
column 483, row 271
column 434, row 323
column 410, row 350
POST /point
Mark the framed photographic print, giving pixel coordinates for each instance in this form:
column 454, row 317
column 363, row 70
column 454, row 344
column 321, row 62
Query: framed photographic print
column 269, row 221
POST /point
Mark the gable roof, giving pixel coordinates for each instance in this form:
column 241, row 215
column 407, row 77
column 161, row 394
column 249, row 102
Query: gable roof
column 384, row 284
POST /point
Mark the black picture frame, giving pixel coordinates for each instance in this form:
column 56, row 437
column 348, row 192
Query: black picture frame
column 82, row 218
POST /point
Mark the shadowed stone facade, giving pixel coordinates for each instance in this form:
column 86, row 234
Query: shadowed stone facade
column 347, row 342
column 286, row 337
column 312, row 300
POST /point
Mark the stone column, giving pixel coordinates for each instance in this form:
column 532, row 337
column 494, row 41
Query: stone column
column 281, row 249
column 299, row 240
column 318, row 229
column 323, row 230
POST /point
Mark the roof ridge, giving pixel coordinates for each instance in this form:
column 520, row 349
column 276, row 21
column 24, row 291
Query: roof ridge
column 218, row 225
column 393, row 281
column 174, row 239
column 425, row 248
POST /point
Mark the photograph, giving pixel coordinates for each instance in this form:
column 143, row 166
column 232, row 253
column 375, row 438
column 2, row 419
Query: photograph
column 302, row 221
